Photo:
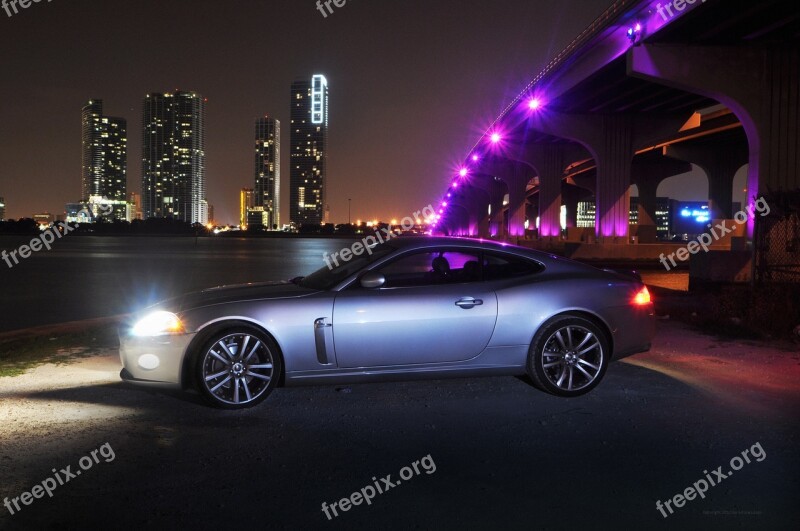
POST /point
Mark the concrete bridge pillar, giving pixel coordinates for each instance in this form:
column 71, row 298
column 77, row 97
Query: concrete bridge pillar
column 516, row 175
column 648, row 173
column 612, row 141
column 457, row 220
column 761, row 85
column 476, row 202
column 720, row 161
column 549, row 162
column 495, row 191
column 517, row 185
column 613, row 199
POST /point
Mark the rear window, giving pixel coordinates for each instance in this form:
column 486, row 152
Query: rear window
column 503, row 266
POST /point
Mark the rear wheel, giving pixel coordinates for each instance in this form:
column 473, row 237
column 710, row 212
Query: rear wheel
column 568, row 356
column 238, row 368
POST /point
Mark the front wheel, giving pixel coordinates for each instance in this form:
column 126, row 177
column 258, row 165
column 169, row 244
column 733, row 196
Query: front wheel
column 238, row 368
column 568, row 356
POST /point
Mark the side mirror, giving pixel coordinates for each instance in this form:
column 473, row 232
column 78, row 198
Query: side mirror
column 372, row 280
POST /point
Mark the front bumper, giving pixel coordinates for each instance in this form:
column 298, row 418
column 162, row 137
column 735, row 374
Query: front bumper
column 154, row 361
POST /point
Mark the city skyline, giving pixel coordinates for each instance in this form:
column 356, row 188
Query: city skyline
column 383, row 130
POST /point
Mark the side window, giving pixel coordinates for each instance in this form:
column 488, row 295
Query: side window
column 431, row 268
column 503, row 266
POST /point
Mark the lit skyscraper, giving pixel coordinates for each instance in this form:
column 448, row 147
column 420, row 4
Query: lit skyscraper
column 268, row 170
column 173, row 157
column 309, row 115
column 246, row 203
column 105, row 154
column 2, row 209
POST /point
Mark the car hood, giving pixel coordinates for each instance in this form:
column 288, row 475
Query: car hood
column 236, row 293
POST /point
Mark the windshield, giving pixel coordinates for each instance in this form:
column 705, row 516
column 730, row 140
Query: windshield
column 326, row 278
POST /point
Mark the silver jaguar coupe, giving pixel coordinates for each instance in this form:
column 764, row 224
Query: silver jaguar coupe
column 409, row 308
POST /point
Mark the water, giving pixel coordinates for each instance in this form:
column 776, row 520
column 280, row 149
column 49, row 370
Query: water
column 89, row 277
column 86, row 277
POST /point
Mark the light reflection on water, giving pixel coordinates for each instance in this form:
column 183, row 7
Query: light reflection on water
column 86, row 277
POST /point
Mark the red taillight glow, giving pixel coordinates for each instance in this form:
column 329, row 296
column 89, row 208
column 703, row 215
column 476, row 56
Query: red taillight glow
column 643, row 297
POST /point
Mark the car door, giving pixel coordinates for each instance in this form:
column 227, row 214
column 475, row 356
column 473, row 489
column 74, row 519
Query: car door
column 433, row 308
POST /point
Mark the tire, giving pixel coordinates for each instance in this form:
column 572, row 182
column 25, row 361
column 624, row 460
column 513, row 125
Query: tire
column 238, row 367
column 568, row 356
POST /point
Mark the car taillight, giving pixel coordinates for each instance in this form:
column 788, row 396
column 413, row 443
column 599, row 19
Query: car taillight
column 642, row 297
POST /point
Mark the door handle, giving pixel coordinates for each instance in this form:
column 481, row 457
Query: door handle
column 468, row 302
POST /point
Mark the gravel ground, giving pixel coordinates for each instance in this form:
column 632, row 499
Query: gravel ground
column 507, row 456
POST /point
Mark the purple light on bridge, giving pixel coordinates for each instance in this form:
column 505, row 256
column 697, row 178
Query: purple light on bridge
column 444, row 203
column 475, row 158
column 634, row 32
column 463, row 172
column 495, row 138
column 455, row 184
column 534, row 104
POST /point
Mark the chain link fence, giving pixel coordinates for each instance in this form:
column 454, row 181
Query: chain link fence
column 777, row 240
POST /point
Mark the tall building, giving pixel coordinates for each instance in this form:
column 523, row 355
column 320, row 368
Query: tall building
column 105, row 155
column 173, row 157
column 247, row 200
column 268, row 170
column 2, row 209
column 135, row 200
column 308, row 142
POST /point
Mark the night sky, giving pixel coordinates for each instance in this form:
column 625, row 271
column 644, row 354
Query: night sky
column 413, row 83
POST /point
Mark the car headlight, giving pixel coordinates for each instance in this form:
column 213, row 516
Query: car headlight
column 158, row 324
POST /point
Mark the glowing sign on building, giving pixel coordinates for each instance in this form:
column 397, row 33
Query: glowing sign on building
column 699, row 215
column 319, row 97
